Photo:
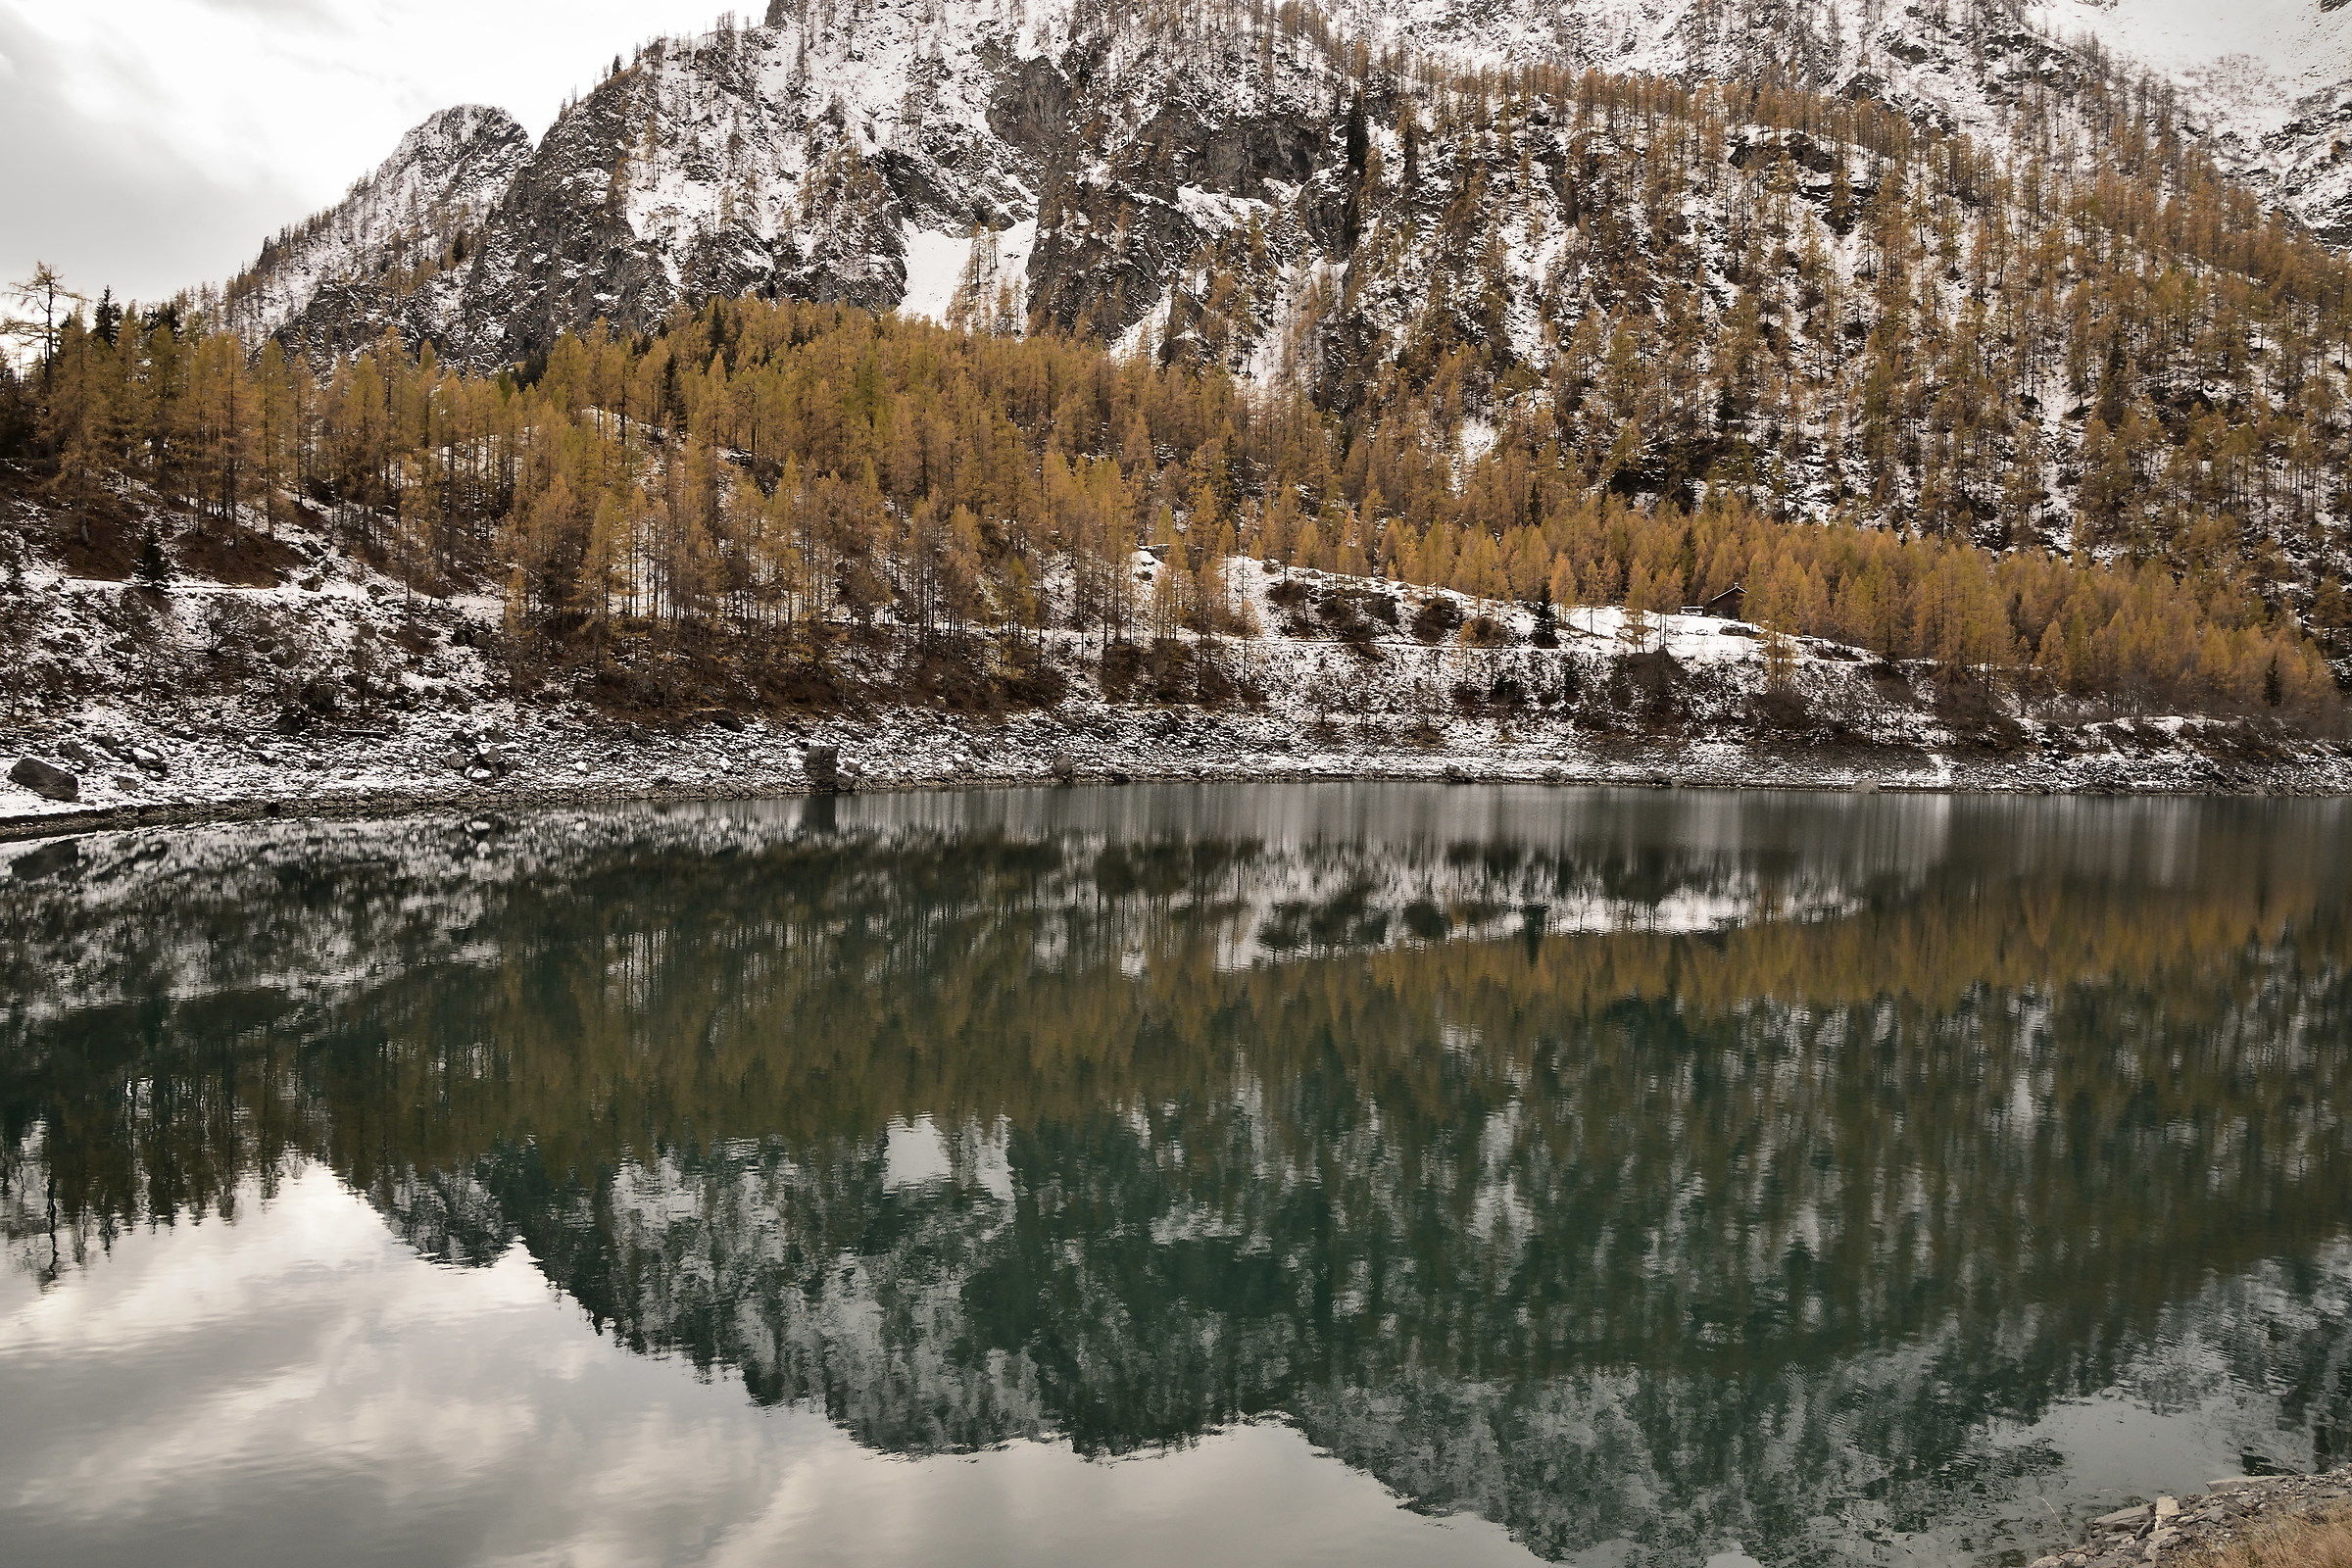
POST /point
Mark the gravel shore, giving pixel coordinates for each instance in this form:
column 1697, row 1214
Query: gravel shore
column 2178, row 1528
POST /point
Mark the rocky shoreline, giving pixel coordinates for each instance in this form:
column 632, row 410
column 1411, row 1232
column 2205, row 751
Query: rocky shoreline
column 522, row 758
column 2178, row 1528
column 124, row 774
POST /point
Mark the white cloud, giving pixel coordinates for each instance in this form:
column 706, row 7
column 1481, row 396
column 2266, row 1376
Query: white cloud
column 155, row 143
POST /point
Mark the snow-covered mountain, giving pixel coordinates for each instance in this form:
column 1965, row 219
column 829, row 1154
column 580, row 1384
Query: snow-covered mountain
column 1919, row 262
column 1075, row 155
column 835, row 153
column 1952, row 63
column 2267, row 83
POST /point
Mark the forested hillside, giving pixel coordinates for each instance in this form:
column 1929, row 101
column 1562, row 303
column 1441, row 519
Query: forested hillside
column 912, row 324
column 2058, row 327
column 776, row 473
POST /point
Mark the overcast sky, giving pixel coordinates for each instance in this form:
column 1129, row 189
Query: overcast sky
column 151, row 144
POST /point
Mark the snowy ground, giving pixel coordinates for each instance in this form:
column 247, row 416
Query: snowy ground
column 2249, row 62
column 499, row 753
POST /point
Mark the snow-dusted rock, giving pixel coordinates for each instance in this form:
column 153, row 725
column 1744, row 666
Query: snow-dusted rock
column 2267, row 83
column 389, row 255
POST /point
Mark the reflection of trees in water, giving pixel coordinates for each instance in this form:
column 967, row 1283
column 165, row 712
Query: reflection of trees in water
column 1638, row 1233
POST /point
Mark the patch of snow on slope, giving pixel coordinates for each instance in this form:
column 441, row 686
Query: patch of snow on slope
column 2247, row 62
column 935, row 269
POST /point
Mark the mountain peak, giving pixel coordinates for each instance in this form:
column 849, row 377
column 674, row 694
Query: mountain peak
column 460, row 123
column 351, row 272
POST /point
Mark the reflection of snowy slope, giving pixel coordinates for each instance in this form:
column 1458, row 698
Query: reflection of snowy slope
column 1332, row 901
column 938, row 1115
column 1112, row 876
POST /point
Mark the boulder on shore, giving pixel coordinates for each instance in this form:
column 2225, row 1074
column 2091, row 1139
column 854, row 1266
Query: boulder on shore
column 50, row 783
column 822, row 764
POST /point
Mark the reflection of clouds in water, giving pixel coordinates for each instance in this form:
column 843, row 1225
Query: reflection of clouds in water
column 918, row 1154
column 913, row 1153
column 2224, row 1380
column 346, row 1391
column 261, row 1351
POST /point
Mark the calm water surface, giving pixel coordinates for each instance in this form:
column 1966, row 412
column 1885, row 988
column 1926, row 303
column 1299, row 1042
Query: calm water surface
column 1356, row 1175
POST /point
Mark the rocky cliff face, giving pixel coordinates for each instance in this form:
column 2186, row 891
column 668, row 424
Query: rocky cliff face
column 938, row 158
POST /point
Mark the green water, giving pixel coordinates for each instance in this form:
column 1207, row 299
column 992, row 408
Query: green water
column 1287, row 1175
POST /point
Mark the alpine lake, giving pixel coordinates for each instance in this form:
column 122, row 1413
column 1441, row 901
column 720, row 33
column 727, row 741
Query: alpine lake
column 1363, row 1174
